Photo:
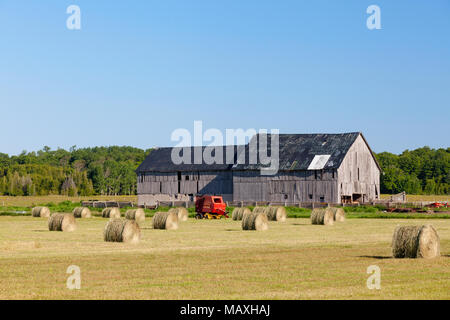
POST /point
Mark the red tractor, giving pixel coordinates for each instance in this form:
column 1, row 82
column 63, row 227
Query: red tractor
column 210, row 207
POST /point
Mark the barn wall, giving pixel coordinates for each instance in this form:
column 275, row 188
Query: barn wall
column 359, row 173
column 295, row 186
column 163, row 186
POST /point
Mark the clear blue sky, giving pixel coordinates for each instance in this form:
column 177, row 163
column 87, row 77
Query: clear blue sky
column 137, row 70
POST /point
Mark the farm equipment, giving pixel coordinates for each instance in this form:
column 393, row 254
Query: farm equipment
column 210, row 207
column 438, row 205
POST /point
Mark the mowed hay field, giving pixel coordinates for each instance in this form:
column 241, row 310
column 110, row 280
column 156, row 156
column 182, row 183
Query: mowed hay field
column 215, row 259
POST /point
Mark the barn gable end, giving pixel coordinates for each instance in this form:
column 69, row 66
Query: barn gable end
column 359, row 174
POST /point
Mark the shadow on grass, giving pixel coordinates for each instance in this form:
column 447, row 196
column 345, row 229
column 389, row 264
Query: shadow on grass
column 233, row 230
column 39, row 230
column 301, row 224
column 376, row 257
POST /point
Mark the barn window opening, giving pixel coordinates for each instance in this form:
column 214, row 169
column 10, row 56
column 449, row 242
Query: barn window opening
column 318, row 175
column 179, row 176
column 285, row 197
column 332, row 173
column 322, row 199
column 310, row 196
column 187, row 178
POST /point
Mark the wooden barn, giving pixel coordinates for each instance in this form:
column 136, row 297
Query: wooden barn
column 331, row 168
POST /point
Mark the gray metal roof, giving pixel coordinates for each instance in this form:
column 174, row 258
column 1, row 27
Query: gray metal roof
column 296, row 152
column 160, row 160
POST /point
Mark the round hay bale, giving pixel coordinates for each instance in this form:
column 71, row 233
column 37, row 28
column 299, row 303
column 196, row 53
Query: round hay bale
column 81, row 212
column 62, row 222
column 137, row 215
column 113, row 213
column 259, row 209
column 338, row 214
column 181, row 212
column 255, row 221
column 118, row 230
column 165, row 220
column 42, row 212
column 276, row 213
column 322, row 216
column 415, row 242
column 238, row 213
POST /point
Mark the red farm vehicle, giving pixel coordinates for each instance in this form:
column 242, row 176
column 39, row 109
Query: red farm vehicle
column 438, row 205
column 210, row 207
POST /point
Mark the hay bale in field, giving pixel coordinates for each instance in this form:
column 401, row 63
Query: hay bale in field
column 338, row 214
column 238, row 213
column 259, row 209
column 181, row 212
column 137, row 215
column 42, row 212
column 165, row 220
column 276, row 213
column 118, row 230
column 322, row 216
column 81, row 212
column 415, row 242
column 255, row 221
column 62, row 222
column 113, row 213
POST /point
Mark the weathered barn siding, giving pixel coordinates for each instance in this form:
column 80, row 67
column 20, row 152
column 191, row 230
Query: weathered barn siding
column 359, row 173
column 295, row 186
column 182, row 186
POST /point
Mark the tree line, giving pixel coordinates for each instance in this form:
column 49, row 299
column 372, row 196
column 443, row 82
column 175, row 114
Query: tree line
column 111, row 171
column 420, row 171
column 84, row 172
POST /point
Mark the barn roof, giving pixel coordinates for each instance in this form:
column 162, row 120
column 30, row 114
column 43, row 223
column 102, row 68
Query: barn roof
column 306, row 151
column 296, row 152
column 160, row 160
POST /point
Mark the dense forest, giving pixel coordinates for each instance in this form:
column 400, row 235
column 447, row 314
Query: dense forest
column 421, row 171
column 110, row 171
column 84, row 172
